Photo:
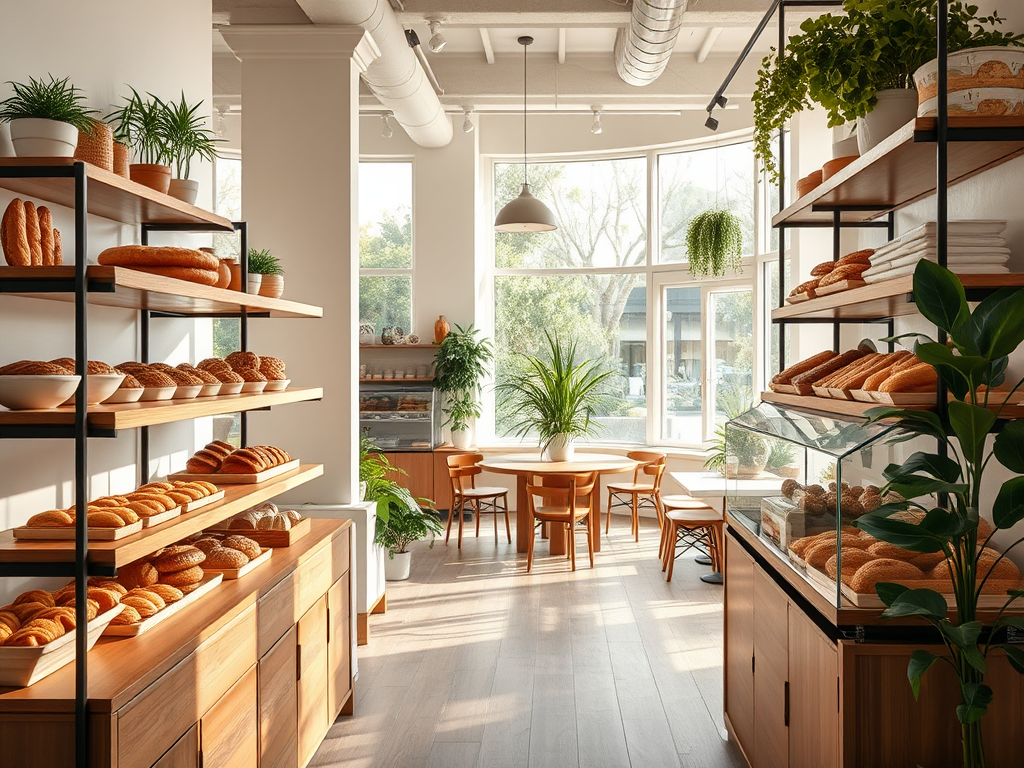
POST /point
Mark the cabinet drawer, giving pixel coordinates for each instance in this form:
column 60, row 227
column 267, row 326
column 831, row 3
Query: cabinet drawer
column 184, row 754
column 229, row 731
column 341, row 553
column 155, row 719
column 313, row 680
column 278, row 699
column 339, row 643
column 281, row 607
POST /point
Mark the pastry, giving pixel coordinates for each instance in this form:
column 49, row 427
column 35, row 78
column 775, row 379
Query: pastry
column 40, row 596
column 148, row 594
column 786, row 376
column 14, row 235
column 141, row 573
column 144, row 607
column 228, row 377
column 246, row 546
column 128, row 615
column 35, row 243
column 106, row 599
column 250, row 374
column 917, row 377
column 213, row 364
column 185, row 578
column 165, row 592
column 224, row 558
column 54, row 518
column 178, row 558
column 804, row 381
column 239, row 360
column 63, row 615
column 149, row 378
column 25, row 611
column 46, row 234
column 108, row 584
column 157, row 256
column 883, row 569
column 104, row 519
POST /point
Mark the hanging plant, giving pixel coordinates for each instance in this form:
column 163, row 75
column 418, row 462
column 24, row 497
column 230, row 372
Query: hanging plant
column 714, row 243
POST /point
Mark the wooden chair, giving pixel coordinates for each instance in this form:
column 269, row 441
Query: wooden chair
column 565, row 501
column 694, row 524
column 462, row 472
column 637, row 494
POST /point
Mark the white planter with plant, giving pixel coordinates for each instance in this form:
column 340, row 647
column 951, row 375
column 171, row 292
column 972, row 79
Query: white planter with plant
column 397, row 566
column 714, row 244
column 267, row 267
column 187, row 139
column 144, row 126
column 45, row 117
column 459, row 364
column 555, row 398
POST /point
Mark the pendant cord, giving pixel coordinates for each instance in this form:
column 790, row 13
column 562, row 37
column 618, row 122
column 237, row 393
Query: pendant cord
column 526, row 167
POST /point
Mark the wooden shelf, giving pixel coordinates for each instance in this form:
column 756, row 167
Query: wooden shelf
column 856, row 409
column 890, row 298
column 109, row 195
column 237, row 498
column 399, row 346
column 416, row 380
column 131, row 289
column 901, row 170
column 134, row 415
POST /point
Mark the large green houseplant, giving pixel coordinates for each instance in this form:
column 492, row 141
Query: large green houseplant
column 843, row 61
column 555, row 398
column 975, row 360
column 459, row 364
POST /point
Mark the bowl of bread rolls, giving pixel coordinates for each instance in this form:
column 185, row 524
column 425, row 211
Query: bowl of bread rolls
column 102, row 380
column 35, row 384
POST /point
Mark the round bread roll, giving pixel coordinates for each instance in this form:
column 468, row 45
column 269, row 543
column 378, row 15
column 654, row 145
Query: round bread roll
column 178, row 558
column 224, row 558
column 185, row 578
column 883, row 569
column 141, row 573
column 246, row 546
column 206, row 544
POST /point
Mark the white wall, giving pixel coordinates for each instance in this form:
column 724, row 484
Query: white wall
column 101, row 45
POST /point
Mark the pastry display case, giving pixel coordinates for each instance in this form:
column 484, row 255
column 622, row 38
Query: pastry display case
column 398, row 418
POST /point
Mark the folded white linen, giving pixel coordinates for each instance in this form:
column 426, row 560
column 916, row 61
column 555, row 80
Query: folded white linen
column 962, row 269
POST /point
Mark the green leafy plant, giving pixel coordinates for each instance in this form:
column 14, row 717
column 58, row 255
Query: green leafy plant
column 143, row 125
column 974, row 361
column 553, row 398
column 714, row 243
column 842, row 61
column 749, row 449
column 459, row 364
column 187, row 138
column 780, row 454
column 48, row 100
column 263, row 262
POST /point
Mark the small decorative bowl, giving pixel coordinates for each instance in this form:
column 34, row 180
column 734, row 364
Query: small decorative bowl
column 28, row 392
column 277, row 385
column 412, row 338
column 99, row 387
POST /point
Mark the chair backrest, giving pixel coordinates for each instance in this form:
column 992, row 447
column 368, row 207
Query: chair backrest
column 462, row 467
column 562, row 491
column 653, row 465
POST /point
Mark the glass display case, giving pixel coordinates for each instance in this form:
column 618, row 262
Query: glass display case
column 400, row 418
column 829, row 472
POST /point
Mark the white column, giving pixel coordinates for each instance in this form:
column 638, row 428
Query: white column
column 300, row 155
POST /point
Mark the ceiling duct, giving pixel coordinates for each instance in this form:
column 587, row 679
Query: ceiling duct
column 642, row 51
column 396, row 77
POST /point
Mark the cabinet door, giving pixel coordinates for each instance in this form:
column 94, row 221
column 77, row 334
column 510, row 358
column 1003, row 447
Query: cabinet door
column 339, row 644
column 229, row 733
column 739, row 643
column 771, row 673
column 419, row 467
column 314, row 718
column 813, row 695
column 184, row 753
column 279, row 714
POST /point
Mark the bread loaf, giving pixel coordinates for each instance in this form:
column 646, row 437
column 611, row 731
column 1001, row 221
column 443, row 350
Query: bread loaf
column 157, row 256
column 58, row 257
column 805, row 381
column 922, row 375
column 802, row 367
column 46, row 234
column 14, row 235
column 820, row 270
column 191, row 274
column 35, row 245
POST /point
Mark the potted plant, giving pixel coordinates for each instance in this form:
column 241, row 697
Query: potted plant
column 858, row 64
column 266, row 277
column 186, row 140
column 974, row 361
column 744, row 453
column 142, row 125
column 459, row 363
column 714, row 243
column 96, row 145
column 45, row 117
column 557, row 400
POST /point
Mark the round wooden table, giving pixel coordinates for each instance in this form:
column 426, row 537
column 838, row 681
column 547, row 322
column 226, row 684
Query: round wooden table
column 527, row 465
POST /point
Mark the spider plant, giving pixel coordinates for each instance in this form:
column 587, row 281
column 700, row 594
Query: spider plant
column 187, row 138
column 714, row 244
column 143, row 125
column 263, row 262
column 53, row 100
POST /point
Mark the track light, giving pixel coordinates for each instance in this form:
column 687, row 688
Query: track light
column 721, row 101
column 437, row 41
column 386, row 131
column 595, row 127
column 467, row 123
column 711, row 123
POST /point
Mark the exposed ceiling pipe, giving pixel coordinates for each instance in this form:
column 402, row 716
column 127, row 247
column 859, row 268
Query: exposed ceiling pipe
column 396, row 78
column 642, row 51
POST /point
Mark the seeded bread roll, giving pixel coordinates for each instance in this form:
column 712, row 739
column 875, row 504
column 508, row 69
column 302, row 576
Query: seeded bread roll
column 224, row 558
column 213, row 364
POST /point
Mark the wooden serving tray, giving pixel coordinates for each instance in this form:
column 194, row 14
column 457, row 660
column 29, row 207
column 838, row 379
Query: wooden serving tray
column 192, row 506
column 872, row 600
column 235, row 479
column 267, row 538
column 783, row 389
column 21, row 666
column 68, row 534
column 237, row 573
column 799, row 298
column 210, row 580
column 905, row 398
column 821, row 392
column 842, row 285
column 863, row 396
column 839, row 394
column 162, row 517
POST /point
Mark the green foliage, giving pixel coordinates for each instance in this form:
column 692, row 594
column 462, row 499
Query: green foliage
column 48, row 100
column 142, row 124
column 559, row 397
column 227, row 336
column 459, row 364
column 406, row 525
column 263, row 262
column 842, row 61
column 386, row 299
column 976, row 357
column 714, row 242
column 186, row 137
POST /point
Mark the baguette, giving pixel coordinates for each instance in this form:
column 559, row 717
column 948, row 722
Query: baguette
column 807, row 288
column 874, row 381
column 805, row 381
column 802, row 367
column 857, row 257
column 58, row 254
column 820, row 270
column 46, row 234
column 35, row 243
column 877, row 374
column 907, row 362
column 858, row 377
column 14, row 235
column 922, row 375
column 837, row 378
column 851, row 271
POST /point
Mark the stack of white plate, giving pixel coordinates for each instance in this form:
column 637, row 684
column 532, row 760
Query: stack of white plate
column 974, row 247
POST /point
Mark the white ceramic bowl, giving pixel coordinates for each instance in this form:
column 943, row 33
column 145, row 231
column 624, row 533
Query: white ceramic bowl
column 232, row 387
column 158, row 393
column 253, row 387
column 99, row 387
column 277, row 386
column 188, row 392
column 127, row 395
column 29, row 392
column 209, row 390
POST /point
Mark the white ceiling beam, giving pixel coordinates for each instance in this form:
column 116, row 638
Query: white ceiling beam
column 561, row 45
column 485, row 39
column 709, row 42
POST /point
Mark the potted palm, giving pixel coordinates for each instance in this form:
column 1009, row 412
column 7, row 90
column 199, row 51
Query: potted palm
column 187, row 139
column 45, row 117
column 555, row 400
column 142, row 125
column 714, row 243
column 266, row 276
column 459, row 364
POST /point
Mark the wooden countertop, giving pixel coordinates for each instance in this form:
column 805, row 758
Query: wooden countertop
column 120, row 668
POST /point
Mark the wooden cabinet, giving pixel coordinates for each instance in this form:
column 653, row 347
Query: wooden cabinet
column 279, row 704
column 229, row 731
column 813, row 695
column 419, row 468
column 312, row 680
column 184, row 753
column 739, row 642
column 339, row 645
column 771, row 671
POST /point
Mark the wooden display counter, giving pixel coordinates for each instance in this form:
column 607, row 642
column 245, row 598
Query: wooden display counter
column 252, row 674
column 806, row 688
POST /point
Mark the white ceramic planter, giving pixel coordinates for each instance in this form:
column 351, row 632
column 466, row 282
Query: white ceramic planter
column 185, row 190
column 462, row 438
column 895, row 108
column 6, row 147
column 397, row 568
column 845, row 148
column 36, row 137
column 255, row 281
column 561, row 448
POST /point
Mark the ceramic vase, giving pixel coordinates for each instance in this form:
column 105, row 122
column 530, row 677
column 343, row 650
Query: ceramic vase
column 272, row 286
column 462, row 438
column 255, row 281
column 396, row 567
column 441, row 329
column 185, row 190
column 366, row 331
column 561, row 448
column 896, row 107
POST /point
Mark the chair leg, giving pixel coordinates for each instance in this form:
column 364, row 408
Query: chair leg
column 661, row 543
column 608, row 516
column 670, row 556
column 636, row 518
column 508, row 525
column 462, row 515
column 590, row 544
column 529, row 546
column 494, row 514
column 656, row 495
column 476, row 510
column 451, row 516
column 570, row 529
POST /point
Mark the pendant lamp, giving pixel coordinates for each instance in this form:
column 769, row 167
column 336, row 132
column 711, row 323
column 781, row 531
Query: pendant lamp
column 526, row 213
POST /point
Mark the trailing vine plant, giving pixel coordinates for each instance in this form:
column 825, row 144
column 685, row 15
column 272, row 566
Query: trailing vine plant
column 714, row 243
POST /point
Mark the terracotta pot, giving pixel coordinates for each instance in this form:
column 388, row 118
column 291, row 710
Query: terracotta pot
column 832, row 167
column 97, row 146
column 441, row 329
column 122, row 159
column 272, row 286
column 236, row 276
column 807, row 183
column 156, row 177
column 224, row 272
